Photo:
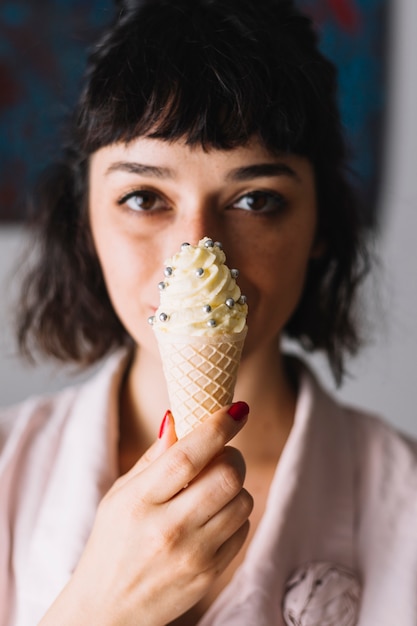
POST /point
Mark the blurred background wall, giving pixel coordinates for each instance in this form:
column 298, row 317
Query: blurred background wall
column 384, row 377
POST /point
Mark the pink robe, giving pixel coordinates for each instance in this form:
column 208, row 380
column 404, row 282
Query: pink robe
column 342, row 510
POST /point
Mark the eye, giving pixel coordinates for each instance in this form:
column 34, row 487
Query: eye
column 261, row 202
column 143, row 201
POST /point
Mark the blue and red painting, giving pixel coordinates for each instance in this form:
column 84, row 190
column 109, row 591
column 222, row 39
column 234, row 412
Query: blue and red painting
column 43, row 46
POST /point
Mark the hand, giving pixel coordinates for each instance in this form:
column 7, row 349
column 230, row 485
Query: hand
column 156, row 547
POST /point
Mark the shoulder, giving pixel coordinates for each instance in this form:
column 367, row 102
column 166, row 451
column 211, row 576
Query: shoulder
column 376, row 441
column 34, row 425
column 382, row 451
column 386, row 473
column 43, row 418
column 384, row 460
column 384, row 479
column 382, row 469
column 384, row 487
column 33, row 413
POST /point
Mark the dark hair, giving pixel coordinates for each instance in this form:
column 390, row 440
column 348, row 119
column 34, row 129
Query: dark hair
column 215, row 73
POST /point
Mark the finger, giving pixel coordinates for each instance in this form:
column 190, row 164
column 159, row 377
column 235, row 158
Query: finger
column 216, row 485
column 167, row 435
column 183, row 461
column 166, row 438
column 229, row 519
column 230, row 548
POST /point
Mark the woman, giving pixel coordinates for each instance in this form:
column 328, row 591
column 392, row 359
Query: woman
column 218, row 118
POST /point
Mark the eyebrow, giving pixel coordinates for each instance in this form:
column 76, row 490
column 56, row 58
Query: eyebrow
column 140, row 168
column 261, row 170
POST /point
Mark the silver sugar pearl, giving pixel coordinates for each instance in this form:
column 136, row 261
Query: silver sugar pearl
column 211, row 323
column 184, row 245
column 168, row 271
column 199, row 272
column 219, row 244
column 207, row 308
column 230, row 303
column 234, row 273
column 162, row 286
column 209, row 243
column 151, row 320
column 163, row 317
column 242, row 300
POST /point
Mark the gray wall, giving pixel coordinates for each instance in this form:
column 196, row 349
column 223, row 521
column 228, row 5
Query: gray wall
column 384, row 378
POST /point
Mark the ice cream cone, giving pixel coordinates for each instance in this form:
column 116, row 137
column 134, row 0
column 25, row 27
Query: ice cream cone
column 200, row 373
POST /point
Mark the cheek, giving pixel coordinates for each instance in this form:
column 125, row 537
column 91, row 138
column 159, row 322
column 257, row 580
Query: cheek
column 273, row 279
column 130, row 291
column 125, row 263
column 277, row 281
column 122, row 270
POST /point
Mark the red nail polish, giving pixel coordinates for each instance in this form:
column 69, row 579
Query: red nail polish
column 238, row 411
column 164, row 424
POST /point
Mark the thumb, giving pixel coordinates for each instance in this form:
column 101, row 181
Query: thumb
column 166, row 438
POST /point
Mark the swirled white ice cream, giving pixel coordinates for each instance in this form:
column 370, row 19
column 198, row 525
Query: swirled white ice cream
column 199, row 295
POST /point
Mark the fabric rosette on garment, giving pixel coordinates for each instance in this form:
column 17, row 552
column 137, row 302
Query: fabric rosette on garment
column 322, row 594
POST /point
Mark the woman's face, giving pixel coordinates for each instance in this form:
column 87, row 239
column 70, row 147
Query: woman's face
column 149, row 196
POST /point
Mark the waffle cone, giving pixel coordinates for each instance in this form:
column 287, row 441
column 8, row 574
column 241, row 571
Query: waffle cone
column 200, row 373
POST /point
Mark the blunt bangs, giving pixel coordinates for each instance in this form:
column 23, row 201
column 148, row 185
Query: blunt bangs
column 207, row 77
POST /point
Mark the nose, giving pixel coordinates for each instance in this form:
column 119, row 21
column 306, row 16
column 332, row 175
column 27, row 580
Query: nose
column 206, row 224
column 190, row 228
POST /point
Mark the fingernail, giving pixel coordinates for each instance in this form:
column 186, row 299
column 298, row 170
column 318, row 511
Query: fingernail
column 238, row 411
column 164, row 424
